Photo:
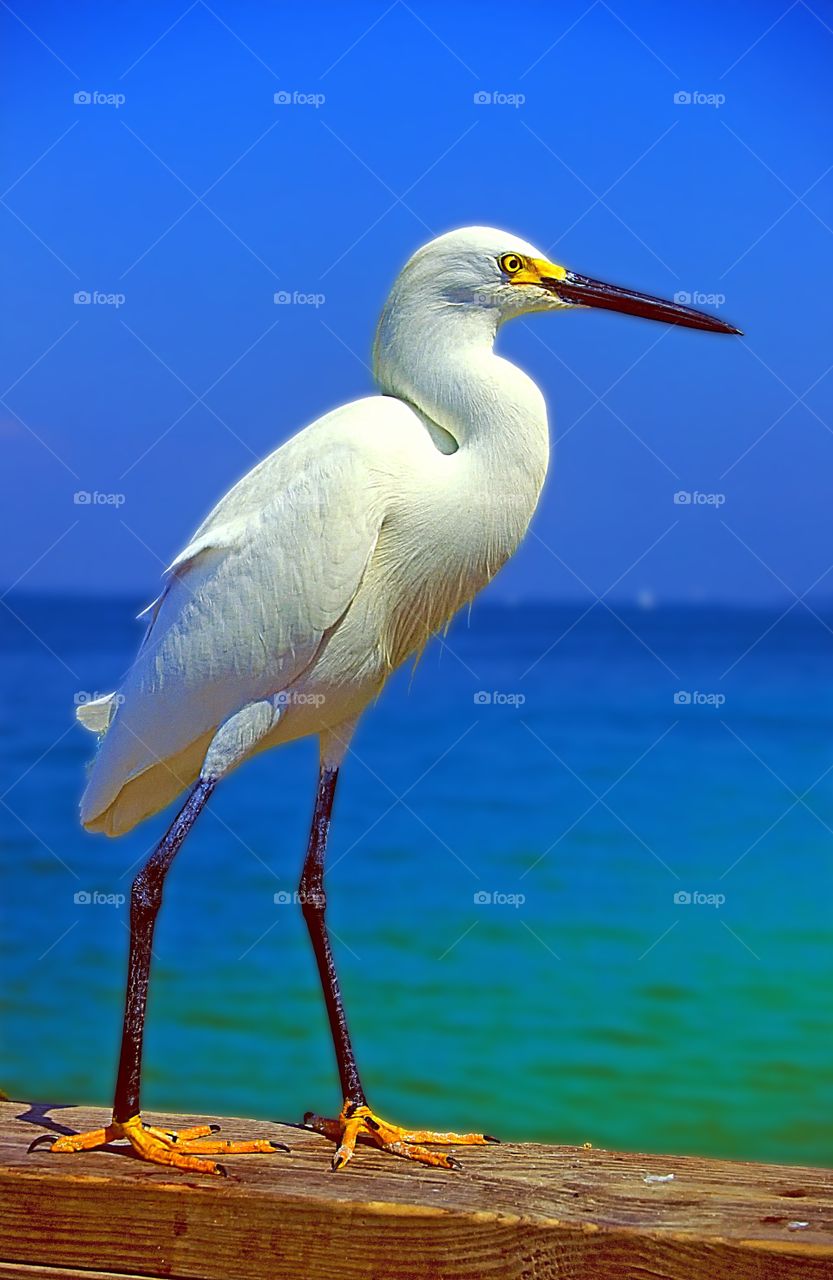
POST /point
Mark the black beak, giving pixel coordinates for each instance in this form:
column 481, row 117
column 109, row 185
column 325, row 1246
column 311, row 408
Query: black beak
column 583, row 291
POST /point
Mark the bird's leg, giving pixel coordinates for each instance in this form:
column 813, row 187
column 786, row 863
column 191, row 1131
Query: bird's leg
column 356, row 1122
column 145, row 901
column 182, row 1150
column 313, row 905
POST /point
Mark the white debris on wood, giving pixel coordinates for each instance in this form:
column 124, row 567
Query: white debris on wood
column 658, row 1177
column 797, row 1226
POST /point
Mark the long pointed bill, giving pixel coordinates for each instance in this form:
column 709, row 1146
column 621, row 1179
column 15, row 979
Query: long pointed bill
column 583, row 291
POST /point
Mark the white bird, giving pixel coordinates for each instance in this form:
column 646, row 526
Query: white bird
column 314, row 578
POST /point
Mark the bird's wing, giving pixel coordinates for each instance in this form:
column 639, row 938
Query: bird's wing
column 247, row 603
column 216, row 539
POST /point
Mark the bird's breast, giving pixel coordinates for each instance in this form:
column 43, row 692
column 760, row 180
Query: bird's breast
column 438, row 548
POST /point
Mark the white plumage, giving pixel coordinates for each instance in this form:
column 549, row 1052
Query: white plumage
column 318, row 574
column 340, row 554
column 334, row 559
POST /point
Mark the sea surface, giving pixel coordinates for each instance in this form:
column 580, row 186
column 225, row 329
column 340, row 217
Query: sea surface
column 580, row 884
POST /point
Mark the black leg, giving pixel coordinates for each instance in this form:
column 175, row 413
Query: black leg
column 145, row 899
column 313, row 905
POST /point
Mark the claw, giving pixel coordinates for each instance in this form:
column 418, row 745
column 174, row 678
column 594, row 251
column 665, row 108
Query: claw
column 215, row 1128
column 357, row 1123
column 50, row 1138
column 279, row 1146
column 178, row 1150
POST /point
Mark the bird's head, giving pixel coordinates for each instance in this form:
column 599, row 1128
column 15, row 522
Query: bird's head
column 500, row 275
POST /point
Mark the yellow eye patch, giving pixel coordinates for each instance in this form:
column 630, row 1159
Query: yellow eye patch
column 530, row 270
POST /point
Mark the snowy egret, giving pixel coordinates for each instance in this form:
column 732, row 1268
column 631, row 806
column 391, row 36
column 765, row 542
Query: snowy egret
column 315, row 577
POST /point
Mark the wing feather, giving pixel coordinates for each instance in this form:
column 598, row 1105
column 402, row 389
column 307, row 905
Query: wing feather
column 247, row 602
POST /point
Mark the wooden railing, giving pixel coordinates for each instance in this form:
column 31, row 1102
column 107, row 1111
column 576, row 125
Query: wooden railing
column 516, row 1212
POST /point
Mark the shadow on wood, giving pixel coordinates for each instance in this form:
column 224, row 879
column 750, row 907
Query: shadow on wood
column 516, row 1212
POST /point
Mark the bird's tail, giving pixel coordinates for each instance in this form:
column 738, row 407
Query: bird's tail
column 97, row 714
column 126, row 783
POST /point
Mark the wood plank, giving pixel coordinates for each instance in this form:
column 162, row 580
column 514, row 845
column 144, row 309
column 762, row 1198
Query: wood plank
column 516, row 1212
column 22, row 1271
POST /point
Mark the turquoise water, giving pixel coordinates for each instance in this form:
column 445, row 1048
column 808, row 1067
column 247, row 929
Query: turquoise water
column 579, row 1003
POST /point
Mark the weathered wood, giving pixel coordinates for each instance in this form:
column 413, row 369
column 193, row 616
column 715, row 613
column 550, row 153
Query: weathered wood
column 516, row 1212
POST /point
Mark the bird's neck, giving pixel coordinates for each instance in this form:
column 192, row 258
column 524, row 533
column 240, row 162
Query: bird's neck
column 441, row 360
column 480, row 408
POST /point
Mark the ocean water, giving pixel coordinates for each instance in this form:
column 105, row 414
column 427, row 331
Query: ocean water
column 567, row 903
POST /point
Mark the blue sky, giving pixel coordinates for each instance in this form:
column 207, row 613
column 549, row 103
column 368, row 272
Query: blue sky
column 198, row 197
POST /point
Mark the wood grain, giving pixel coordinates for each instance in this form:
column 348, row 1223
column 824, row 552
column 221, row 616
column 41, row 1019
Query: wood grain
column 518, row 1212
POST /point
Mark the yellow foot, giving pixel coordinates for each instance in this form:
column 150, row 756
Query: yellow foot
column 357, row 1123
column 184, row 1149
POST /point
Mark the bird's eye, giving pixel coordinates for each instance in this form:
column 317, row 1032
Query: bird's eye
column 510, row 263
